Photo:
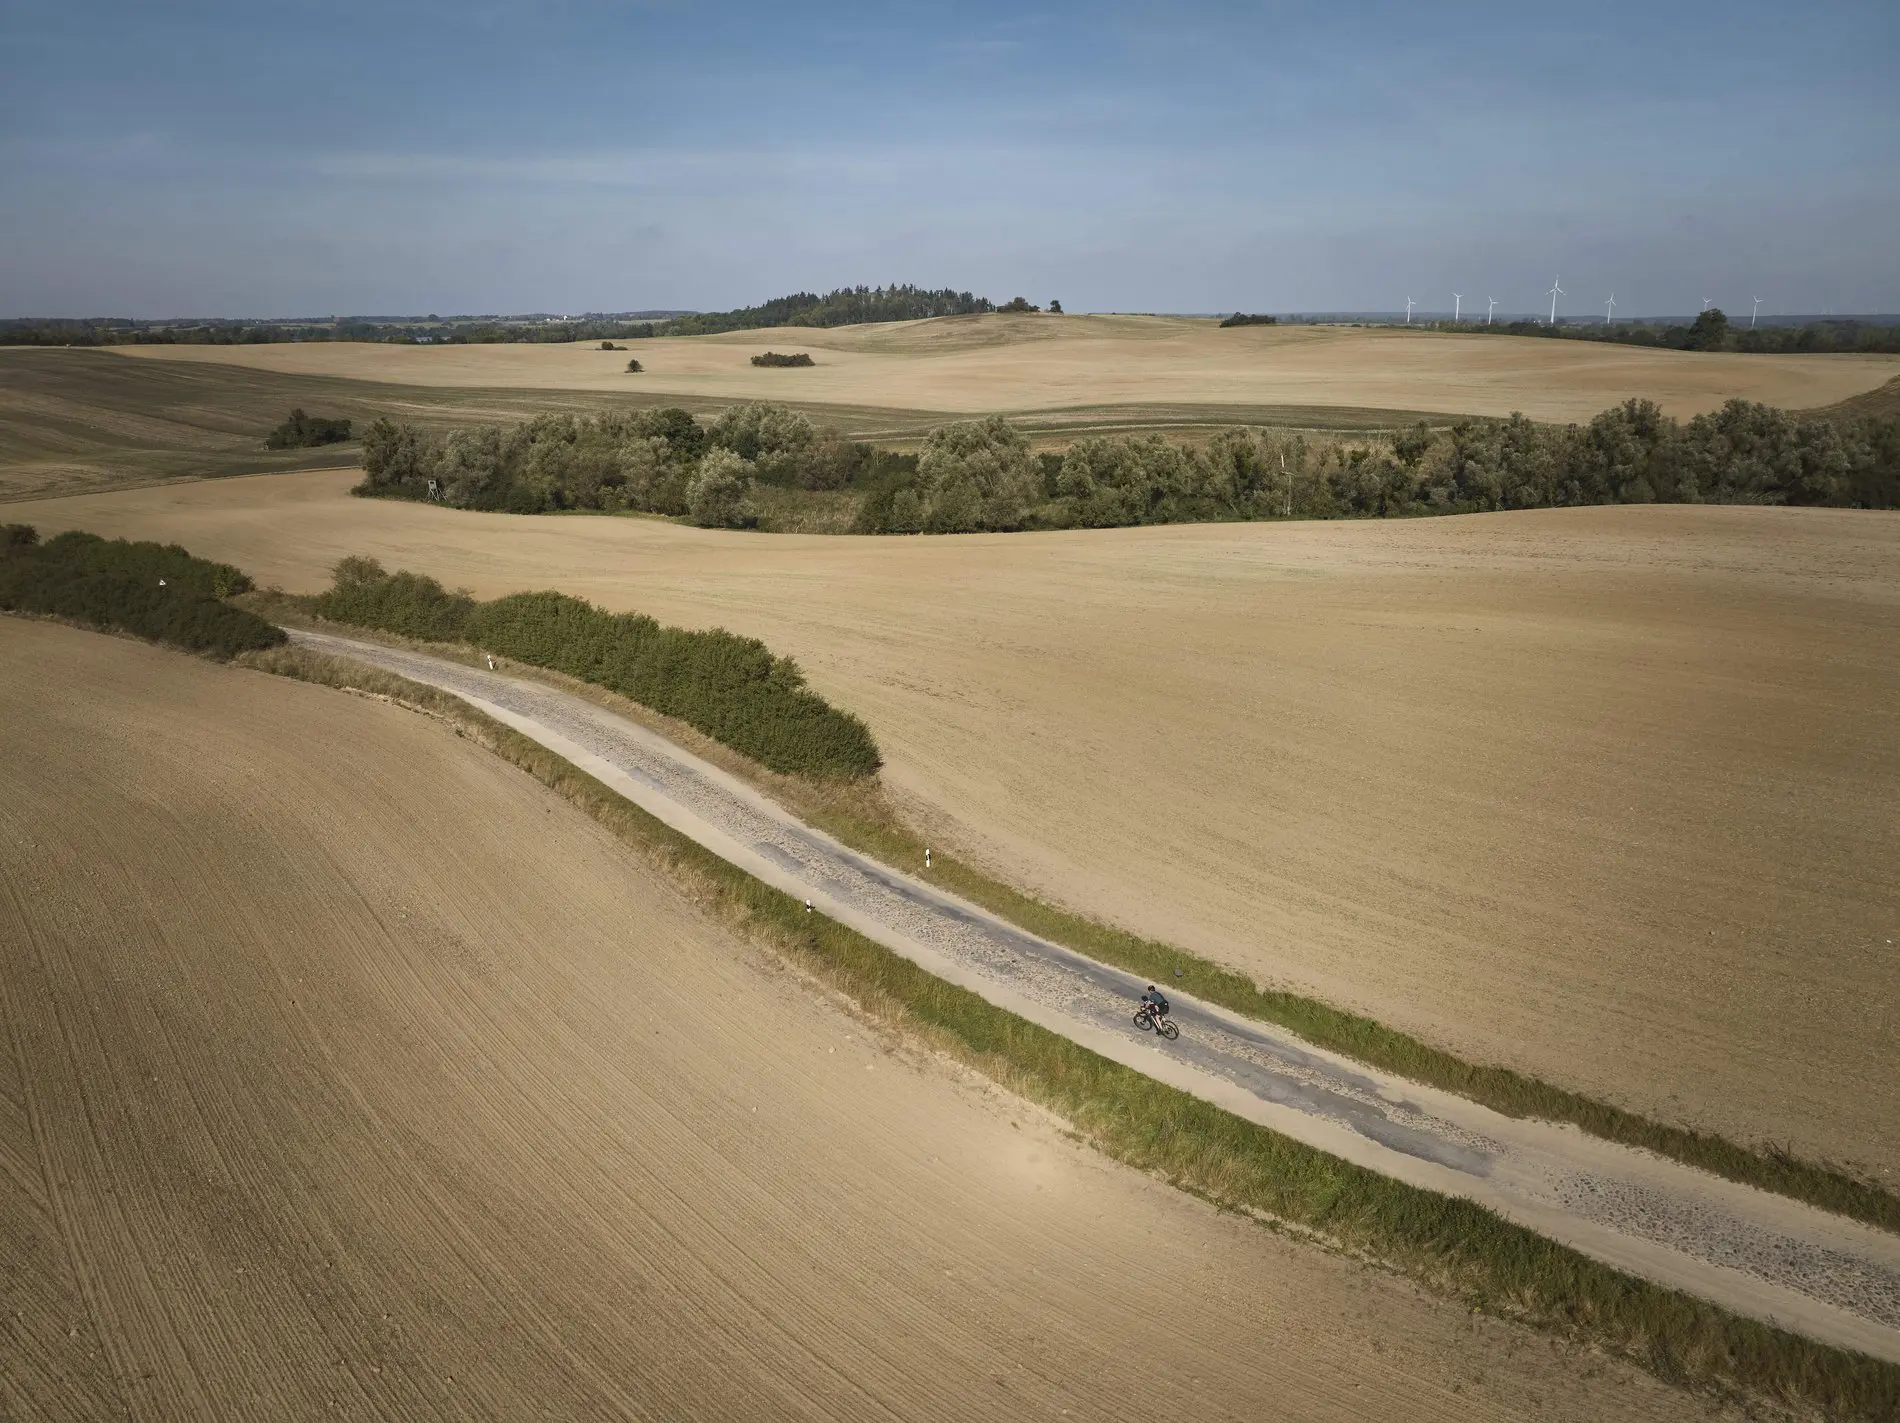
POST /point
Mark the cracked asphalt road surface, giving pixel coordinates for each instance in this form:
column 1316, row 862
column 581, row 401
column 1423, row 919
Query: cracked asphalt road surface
column 1748, row 1250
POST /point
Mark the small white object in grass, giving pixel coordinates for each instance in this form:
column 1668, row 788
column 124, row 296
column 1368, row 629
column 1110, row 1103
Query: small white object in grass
column 926, row 857
column 808, row 906
column 491, row 662
column 161, row 582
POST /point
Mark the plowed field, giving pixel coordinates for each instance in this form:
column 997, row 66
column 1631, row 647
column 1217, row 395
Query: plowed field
column 345, row 1070
column 1608, row 795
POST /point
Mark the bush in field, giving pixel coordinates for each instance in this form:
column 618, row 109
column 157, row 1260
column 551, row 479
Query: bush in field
column 302, row 431
column 634, row 367
column 774, row 358
column 152, row 590
column 729, row 687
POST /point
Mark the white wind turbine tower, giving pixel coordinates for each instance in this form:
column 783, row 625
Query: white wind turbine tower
column 1457, row 305
column 1555, row 292
column 1409, row 304
column 1490, row 305
column 1753, row 314
column 1707, row 302
column 1609, row 309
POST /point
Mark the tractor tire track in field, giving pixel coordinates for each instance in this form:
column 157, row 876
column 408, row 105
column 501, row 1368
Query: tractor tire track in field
column 1748, row 1250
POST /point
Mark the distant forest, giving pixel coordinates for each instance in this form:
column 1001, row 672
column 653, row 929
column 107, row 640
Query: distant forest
column 1713, row 331
column 984, row 475
column 847, row 306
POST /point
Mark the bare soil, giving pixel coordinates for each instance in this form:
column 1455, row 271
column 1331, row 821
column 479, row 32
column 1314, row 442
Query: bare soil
column 1608, row 795
column 346, row 1069
column 1019, row 363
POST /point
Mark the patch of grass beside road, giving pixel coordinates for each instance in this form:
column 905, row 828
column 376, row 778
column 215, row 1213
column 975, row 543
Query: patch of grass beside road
column 1454, row 1247
column 1515, row 1094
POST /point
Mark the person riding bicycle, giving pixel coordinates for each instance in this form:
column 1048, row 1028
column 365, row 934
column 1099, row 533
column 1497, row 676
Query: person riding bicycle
column 1153, row 1001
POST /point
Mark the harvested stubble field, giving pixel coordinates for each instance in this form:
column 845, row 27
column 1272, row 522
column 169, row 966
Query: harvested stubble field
column 349, row 1069
column 1610, row 795
column 979, row 364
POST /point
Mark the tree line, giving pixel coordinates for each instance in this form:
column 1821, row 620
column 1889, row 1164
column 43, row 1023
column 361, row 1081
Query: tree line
column 847, row 306
column 1713, row 331
column 650, row 461
column 984, row 475
column 730, row 687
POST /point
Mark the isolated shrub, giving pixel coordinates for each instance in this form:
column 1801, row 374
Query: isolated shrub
column 774, row 358
column 727, row 686
column 301, row 431
column 717, row 496
column 157, row 591
column 1018, row 303
column 634, row 367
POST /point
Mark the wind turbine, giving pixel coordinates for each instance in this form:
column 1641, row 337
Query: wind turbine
column 1491, row 304
column 1609, row 309
column 1457, row 305
column 1707, row 302
column 1555, row 292
column 1409, row 303
column 1753, row 314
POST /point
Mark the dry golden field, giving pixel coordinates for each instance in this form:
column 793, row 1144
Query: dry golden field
column 1609, row 795
column 1039, row 363
column 349, row 1071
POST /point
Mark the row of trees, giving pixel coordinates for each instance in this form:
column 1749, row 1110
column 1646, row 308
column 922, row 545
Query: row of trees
column 1713, row 331
column 158, row 591
column 654, row 461
column 730, row 687
column 983, row 474
column 847, row 306
column 116, row 331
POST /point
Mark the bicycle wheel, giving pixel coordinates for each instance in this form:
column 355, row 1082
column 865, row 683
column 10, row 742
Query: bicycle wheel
column 1143, row 1021
column 1167, row 1029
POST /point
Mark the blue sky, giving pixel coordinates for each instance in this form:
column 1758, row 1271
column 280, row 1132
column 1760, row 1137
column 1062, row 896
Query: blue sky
column 277, row 157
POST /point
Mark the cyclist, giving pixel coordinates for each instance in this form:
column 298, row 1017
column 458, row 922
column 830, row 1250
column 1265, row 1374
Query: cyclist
column 1155, row 1002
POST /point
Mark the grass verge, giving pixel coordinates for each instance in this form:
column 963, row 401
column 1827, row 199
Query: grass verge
column 855, row 821
column 1454, row 1247
column 858, row 814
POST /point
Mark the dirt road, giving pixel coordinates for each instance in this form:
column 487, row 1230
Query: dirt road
column 1752, row 1252
column 347, row 1072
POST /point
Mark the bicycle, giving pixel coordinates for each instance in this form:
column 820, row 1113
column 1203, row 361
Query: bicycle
column 1148, row 1022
